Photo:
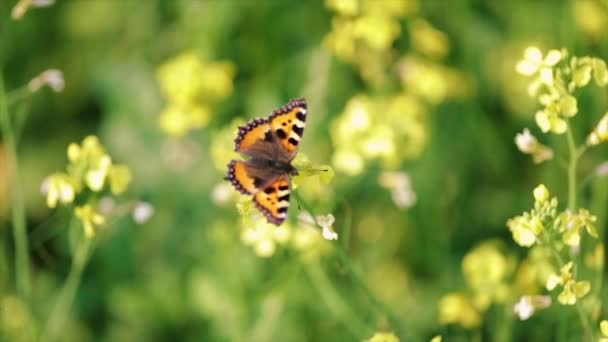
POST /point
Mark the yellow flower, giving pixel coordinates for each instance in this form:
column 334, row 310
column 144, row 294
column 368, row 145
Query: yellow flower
column 180, row 78
column 525, row 230
column 572, row 289
column 178, row 120
column 378, row 31
column 343, row 7
column 89, row 218
column 457, row 308
column 534, row 63
column 383, row 337
column 427, row 39
column 120, row 178
column 541, row 193
column 264, row 237
column 485, row 269
column 59, row 188
column 604, row 331
column 550, row 121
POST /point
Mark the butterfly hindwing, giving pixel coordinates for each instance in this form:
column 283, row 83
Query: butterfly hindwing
column 240, row 178
column 273, row 199
column 287, row 124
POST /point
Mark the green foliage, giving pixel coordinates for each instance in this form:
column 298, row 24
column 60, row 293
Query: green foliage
column 118, row 118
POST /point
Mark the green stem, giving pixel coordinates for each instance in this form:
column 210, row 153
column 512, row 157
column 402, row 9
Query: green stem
column 334, row 302
column 572, row 171
column 22, row 262
column 360, row 281
column 61, row 309
column 17, row 95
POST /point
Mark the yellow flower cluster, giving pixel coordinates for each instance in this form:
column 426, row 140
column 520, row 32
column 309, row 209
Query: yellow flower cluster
column 486, row 270
column 572, row 289
column 89, row 168
column 389, row 129
column 528, row 228
column 365, row 27
column 383, row 337
column 554, row 81
column 191, row 85
column 265, row 237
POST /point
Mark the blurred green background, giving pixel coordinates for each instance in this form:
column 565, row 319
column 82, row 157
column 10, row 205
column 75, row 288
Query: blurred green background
column 441, row 101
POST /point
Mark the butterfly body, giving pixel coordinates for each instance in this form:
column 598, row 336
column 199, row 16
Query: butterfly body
column 271, row 143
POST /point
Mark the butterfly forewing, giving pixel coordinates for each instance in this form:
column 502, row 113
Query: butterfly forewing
column 287, row 124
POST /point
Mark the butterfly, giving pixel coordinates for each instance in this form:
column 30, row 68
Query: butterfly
column 271, row 144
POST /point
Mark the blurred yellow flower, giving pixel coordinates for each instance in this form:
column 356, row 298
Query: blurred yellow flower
column 264, row 237
column 458, row 308
column 533, row 63
column 485, row 269
column 383, row 337
column 89, row 218
column 572, row 289
column 525, row 229
column 427, row 39
column 190, row 85
column 595, row 259
column 178, row 120
column 343, row 7
column 120, row 178
column 604, row 331
column 58, row 188
column 591, row 18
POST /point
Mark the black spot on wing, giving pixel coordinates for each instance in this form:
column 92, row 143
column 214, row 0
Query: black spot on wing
column 282, row 210
column 301, row 116
column 258, row 182
column 284, row 198
column 283, row 187
column 298, row 130
column 269, row 190
column 268, row 136
column 281, row 133
column 293, row 141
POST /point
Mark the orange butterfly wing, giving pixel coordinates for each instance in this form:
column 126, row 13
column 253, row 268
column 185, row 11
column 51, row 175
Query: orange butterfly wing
column 256, row 130
column 262, row 138
column 273, row 200
column 288, row 124
column 238, row 176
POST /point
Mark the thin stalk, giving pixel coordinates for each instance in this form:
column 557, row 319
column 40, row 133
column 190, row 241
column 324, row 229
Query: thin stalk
column 572, row 171
column 334, row 302
column 61, row 309
column 22, row 262
column 360, row 281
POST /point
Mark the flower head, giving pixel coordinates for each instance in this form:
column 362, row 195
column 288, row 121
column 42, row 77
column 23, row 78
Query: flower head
column 527, row 143
column 89, row 218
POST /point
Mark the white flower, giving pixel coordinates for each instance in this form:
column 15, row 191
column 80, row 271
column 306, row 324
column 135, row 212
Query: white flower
column 142, row 212
column 222, row 193
column 400, row 185
column 106, row 205
column 51, row 77
column 602, row 169
column 524, row 308
column 325, row 221
column 528, row 144
column 23, row 5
